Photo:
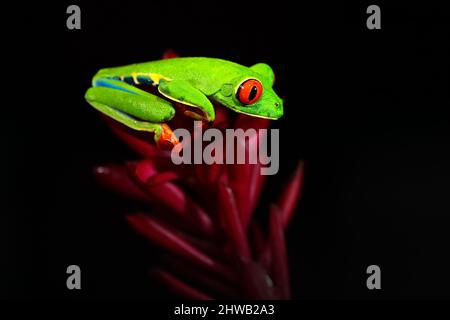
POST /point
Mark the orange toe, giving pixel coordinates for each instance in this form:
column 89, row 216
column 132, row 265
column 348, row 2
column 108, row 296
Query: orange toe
column 167, row 140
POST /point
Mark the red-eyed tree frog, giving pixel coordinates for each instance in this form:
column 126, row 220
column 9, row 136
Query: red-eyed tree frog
column 193, row 82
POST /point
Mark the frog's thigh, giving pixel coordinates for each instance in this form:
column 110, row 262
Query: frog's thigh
column 127, row 120
column 130, row 100
column 183, row 92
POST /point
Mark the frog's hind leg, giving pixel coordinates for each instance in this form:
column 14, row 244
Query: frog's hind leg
column 133, row 107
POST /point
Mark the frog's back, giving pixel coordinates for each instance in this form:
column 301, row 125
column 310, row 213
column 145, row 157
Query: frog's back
column 207, row 74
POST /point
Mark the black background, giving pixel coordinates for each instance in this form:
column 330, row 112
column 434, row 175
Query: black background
column 367, row 109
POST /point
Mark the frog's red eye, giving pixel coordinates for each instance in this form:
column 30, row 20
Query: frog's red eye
column 249, row 91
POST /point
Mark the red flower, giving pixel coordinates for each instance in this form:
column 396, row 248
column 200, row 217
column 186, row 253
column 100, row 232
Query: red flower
column 200, row 216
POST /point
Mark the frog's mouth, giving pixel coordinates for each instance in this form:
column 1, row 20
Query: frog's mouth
column 255, row 115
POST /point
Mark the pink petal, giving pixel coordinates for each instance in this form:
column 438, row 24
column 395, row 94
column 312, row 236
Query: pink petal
column 265, row 258
column 280, row 268
column 168, row 239
column 246, row 179
column 193, row 274
column 214, row 171
column 222, row 120
column 291, row 194
column 232, row 223
column 141, row 143
column 257, row 239
column 207, row 246
column 144, row 170
column 178, row 286
column 256, row 282
column 116, row 178
column 255, row 187
column 173, row 198
column 162, row 177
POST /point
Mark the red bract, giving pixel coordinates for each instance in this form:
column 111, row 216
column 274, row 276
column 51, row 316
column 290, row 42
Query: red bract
column 200, row 216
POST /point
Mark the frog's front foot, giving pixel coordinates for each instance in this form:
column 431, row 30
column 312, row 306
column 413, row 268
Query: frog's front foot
column 166, row 138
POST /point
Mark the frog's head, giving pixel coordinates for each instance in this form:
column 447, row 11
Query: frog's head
column 252, row 93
